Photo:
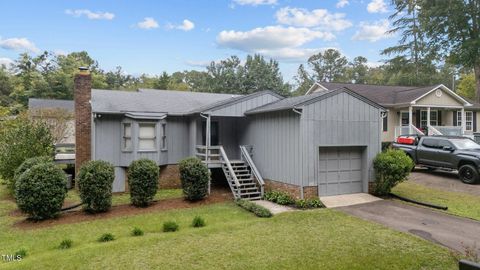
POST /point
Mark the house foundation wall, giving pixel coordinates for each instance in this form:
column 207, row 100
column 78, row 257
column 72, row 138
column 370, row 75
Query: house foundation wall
column 292, row 190
column 169, row 176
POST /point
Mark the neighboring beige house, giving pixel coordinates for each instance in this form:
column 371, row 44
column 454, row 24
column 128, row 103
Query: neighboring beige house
column 435, row 109
column 58, row 114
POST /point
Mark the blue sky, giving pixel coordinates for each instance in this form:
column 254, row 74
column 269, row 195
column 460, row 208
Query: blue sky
column 155, row 36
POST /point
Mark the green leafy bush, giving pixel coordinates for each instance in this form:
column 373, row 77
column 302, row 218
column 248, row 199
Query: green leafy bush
column 28, row 163
column 95, row 185
column 258, row 210
column 170, row 226
column 66, row 244
column 279, row 197
column 22, row 140
column 309, row 203
column 106, row 237
column 41, row 190
column 22, row 253
column 391, row 167
column 195, row 178
column 143, row 181
column 198, row 222
column 137, row 232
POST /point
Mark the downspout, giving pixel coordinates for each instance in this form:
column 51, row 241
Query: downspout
column 207, row 134
column 92, row 136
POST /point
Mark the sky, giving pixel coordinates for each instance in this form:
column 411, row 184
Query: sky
column 173, row 35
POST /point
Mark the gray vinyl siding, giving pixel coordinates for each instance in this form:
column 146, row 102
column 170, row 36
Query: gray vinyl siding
column 286, row 145
column 238, row 109
column 107, row 139
column 341, row 120
column 178, row 139
column 275, row 138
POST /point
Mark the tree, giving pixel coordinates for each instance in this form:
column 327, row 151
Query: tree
column 453, row 26
column 329, row 66
column 303, row 80
column 59, row 121
column 162, row 81
column 358, row 70
column 6, row 86
column 466, row 87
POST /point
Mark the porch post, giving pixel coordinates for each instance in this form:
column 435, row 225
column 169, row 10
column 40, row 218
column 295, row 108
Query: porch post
column 463, row 121
column 207, row 138
column 428, row 121
column 410, row 117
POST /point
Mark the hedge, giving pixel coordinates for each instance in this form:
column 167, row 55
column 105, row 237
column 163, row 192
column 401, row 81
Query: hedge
column 143, row 181
column 195, row 178
column 95, row 181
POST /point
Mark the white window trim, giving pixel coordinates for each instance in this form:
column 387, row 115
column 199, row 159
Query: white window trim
column 432, row 122
column 163, row 138
column 400, row 119
column 124, row 149
column 155, row 144
column 459, row 120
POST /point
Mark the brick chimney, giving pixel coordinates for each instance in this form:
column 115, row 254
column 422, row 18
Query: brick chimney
column 83, row 117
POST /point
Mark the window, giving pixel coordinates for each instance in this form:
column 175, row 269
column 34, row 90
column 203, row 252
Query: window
column 433, row 119
column 468, row 120
column 430, row 143
column 127, row 136
column 146, row 137
column 443, row 143
column 385, row 123
column 164, row 136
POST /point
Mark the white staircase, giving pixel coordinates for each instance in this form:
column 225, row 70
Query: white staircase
column 245, row 186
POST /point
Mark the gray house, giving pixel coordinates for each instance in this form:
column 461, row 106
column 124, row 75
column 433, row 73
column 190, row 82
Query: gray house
column 316, row 145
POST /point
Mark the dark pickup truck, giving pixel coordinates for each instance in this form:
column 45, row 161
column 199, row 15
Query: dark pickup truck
column 444, row 152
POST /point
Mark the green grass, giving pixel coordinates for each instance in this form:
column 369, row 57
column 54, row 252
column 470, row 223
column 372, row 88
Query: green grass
column 233, row 239
column 124, row 198
column 459, row 204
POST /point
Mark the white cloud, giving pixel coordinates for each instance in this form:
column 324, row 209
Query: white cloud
column 320, row 18
column 282, row 43
column 5, row 62
column 186, row 25
column 374, row 64
column 377, row 6
column 18, row 44
column 198, row 63
column 255, row 2
column 148, row 23
column 373, row 31
column 90, row 14
column 342, row 3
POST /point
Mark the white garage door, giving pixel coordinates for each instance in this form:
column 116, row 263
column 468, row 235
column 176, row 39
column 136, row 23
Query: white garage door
column 340, row 170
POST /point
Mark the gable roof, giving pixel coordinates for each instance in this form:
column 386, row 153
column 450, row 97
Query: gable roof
column 38, row 104
column 152, row 100
column 387, row 95
column 298, row 102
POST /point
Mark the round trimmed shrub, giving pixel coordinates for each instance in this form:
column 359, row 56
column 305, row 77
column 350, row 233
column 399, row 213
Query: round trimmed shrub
column 391, row 167
column 29, row 163
column 95, row 181
column 195, row 178
column 41, row 190
column 143, row 181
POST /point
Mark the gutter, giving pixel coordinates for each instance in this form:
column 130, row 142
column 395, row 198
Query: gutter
column 299, row 111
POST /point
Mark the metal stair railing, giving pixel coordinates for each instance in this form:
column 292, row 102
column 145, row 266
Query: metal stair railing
column 227, row 163
column 246, row 156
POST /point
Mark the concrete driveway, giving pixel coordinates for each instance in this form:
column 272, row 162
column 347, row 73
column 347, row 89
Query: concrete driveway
column 447, row 230
column 443, row 180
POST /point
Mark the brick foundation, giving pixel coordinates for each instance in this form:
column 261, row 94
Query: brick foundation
column 83, row 120
column 293, row 190
column 371, row 187
column 169, row 177
column 310, row 192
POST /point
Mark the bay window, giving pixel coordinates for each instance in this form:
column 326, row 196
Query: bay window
column 127, row 136
column 146, row 137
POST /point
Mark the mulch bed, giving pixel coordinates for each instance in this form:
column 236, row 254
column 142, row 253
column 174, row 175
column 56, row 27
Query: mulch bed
column 75, row 216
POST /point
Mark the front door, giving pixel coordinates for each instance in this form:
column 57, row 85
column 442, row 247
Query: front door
column 214, row 134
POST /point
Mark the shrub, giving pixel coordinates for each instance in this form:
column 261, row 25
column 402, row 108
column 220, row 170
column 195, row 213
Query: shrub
column 95, row 185
column 65, row 244
column 106, row 237
column 258, row 210
column 137, row 232
column 309, row 203
column 29, row 163
column 170, row 226
column 143, row 181
column 391, row 167
column 195, row 178
column 198, row 222
column 41, row 190
column 22, row 253
column 21, row 140
column 279, row 197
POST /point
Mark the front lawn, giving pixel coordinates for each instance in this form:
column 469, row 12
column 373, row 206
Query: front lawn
column 460, row 204
column 233, row 239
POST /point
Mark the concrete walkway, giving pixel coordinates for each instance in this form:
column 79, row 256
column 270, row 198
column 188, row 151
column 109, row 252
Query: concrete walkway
column 453, row 232
column 273, row 207
column 347, row 200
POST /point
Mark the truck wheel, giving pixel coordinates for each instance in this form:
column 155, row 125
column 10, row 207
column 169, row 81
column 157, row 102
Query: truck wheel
column 468, row 174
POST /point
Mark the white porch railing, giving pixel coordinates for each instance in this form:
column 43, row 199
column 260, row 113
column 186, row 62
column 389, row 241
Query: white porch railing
column 246, row 156
column 432, row 131
column 448, row 130
column 407, row 130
